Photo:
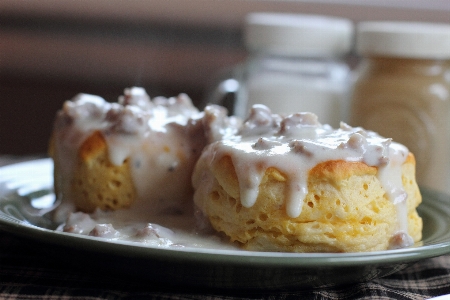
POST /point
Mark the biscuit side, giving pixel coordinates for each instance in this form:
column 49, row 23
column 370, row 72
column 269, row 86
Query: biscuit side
column 95, row 182
column 346, row 209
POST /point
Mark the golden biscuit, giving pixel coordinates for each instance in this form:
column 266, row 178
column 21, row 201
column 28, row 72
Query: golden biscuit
column 138, row 153
column 345, row 210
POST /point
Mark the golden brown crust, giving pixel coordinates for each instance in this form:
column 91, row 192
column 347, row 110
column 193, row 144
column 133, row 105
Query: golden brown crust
column 337, row 170
column 93, row 146
column 346, row 209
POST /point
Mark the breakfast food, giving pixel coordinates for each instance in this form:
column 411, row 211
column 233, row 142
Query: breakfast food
column 292, row 184
column 137, row 154
column 161, row 172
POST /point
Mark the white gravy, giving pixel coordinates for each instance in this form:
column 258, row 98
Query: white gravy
column 142, row 129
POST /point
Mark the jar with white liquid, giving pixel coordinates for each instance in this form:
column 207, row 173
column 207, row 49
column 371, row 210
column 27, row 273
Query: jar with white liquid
column 295, row 64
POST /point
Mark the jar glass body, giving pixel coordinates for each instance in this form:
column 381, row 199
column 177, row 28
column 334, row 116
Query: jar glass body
column 408, row 100
column 289, row 84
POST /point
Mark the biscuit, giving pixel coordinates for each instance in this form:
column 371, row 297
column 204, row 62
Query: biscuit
column 138, row 153
column 363, row 199
column 345, row 210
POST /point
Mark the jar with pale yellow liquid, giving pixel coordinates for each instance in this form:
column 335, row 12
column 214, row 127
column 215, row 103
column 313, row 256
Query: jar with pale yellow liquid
column 402, row 91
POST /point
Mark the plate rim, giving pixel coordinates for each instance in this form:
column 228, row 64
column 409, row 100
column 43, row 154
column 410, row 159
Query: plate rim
column 233, row 257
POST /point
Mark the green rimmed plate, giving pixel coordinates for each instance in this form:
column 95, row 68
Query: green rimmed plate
column 26, row 195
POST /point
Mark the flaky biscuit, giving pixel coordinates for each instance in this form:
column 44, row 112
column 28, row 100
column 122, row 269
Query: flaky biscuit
column 346, row 209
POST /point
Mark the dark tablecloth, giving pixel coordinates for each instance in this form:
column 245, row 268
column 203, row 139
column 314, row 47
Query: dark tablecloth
column 31, row 271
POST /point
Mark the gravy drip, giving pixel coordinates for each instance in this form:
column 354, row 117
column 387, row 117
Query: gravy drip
column 294, row 144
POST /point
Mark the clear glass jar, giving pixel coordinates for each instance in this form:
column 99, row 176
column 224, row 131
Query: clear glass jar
column 295, row 64
column 403, row 92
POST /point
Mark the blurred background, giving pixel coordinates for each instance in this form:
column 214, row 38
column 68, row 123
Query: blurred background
column 52, row 50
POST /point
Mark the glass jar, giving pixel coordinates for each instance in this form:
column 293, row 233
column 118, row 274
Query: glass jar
column 295, row 64
column 402, row 92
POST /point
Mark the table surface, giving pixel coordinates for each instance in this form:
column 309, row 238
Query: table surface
column 26, row 272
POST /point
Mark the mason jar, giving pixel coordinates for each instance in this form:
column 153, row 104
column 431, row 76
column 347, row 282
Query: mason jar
column 402, row 91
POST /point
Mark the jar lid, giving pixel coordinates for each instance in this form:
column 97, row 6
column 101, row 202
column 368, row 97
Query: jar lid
column 298, row 34
column 404, row 39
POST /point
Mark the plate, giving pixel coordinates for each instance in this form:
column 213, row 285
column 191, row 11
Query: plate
column 26, row 195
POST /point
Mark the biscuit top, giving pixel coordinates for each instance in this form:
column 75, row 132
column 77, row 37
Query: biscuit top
column 161, row 137
column 296, row 143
